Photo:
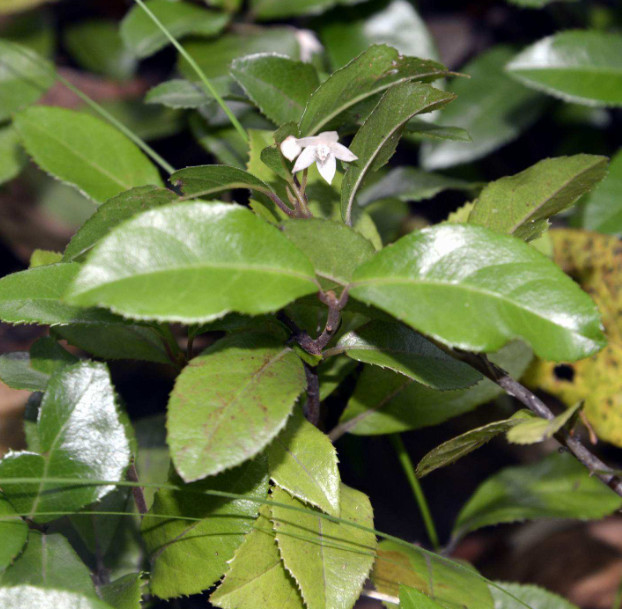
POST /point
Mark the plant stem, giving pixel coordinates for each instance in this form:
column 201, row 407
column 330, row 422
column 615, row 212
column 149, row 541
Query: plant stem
column 137, row 491
column 195, row 66
column 312, row 407
column 409, row 470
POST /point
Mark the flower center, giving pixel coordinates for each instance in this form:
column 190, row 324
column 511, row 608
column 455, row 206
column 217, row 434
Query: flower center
column 322, row 152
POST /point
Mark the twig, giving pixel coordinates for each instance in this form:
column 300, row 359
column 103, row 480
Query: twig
column 536, row 405
column 312, row 407
column 137, row 491
column 281, row 205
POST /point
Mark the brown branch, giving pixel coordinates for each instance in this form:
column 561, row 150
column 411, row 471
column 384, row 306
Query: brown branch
column 281, row 205
column 137, row 491
column 312, row 407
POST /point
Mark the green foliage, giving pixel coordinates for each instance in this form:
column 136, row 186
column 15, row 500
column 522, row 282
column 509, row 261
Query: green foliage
column 602, row 209
column 12, row 157
column 17, row 597
column 14, row 533
column 570, row 65
column 74, row 148
column 556, row 487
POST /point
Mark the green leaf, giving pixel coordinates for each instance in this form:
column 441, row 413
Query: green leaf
column 44, row 257
column 451, row 451
column 372, row 72
column 47, row 356
column 335, row 250
column 24, row 77
column 386, row 402
column 80, row 435
column 18, row 597
column 49, row 561
column 190, row 556
column 274, row 9
column 179, row 93
column 490, row 105
column 32, row 29
column 76, row 148
column 411, row 598
column 332, row 372
column 117, row 341
column 376, row 141
column 556, row 487
column 397, row 347
column 397, row 25
column 279, row 86
column 532, row 596
column 521, row 205
column 112, row 213
column 123, row 593
column 97, row 46
column 421, row 130
column 144, row 38
column 207, row 180
column 214, row 57
column 243, row 387
column 450, row 584
column 536, row 4
column 411, row 184
column 303, row 461
column 36, row 296
column 13, row 532
column 471, row 288
column 330, row 561
column 602, row 210
column 538, row 430
column 12, row 157
column 16, row 372
column 193, row 262
column 577, row 66
column 256, row 576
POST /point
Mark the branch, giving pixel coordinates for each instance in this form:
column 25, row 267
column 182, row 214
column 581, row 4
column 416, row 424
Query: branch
column 312, row 407
column 137, row 491
column 512, row 387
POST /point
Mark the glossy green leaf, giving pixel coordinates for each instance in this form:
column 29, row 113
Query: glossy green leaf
column 16, row 372
column 581, row 66
column 36, row 296
column 521, row 205
column 76, row 148
column 421, row 130
column 117, row 341
column 450, row 584
column 80, row 435
column 451, row 451
column 207, row 180
column 18, row 597
column 143, row 37
column 97, row 46
column 372, row 72
column 411, row 184
column 475, row 289
column 491, row 106
column 411, row 598
column 376, row 141
column 113, row 212
column 24, row 77
column 13, row 532
column 256, row 576
column 244, row 386
column 47, row 356
column 214, row 57
column 123, row 593
column 188, row 556
column 556, row 487
column 515, row 596
column 12, row 157
column 193, row 262
column 397, row 347
column 274, row 9
column 602, row 210
column 330, row 561
column 49, row 561
column 335, row 250
column 179, row 93
column 397, row 24
column 303, row 461
column 386, row 402
column 538, row 430
column 279, row 86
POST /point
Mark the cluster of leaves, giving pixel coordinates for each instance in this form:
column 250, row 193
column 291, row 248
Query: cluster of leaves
column 306, row 284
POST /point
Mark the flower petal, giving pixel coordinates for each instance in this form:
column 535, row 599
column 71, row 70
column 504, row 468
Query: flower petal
column 306, row 159
column 290, row 148
column 343, row 153
column 328, row 168
column 323, row 139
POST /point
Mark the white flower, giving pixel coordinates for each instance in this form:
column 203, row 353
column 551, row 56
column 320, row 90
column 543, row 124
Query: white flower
column 322, row 149
column 308, row 43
